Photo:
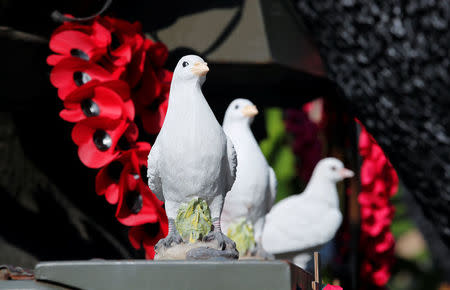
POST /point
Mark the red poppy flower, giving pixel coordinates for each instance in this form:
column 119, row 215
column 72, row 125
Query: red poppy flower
column 88, row 42
column 153, row 116
column 89, row 61
column 332, row 287
column 148, row 235
column 165, row 77
column 365, row 143
column 149, row 87
column 100, row 140
column 126, row 39
column 73, row 72
column 152, row 98
column 306, row 144
column 368, row 172
column 375, row 220
column 377, row 272
column 381, row 275
column 137, row 204
column 99, row 99
column 107, row 179
column 367, row 199
column 384, row 242
column 390, row 179
column 158, row 53
column 378, row 183
column 154, row 83
column 377, row 155
column 128, row 48
column 377, row 191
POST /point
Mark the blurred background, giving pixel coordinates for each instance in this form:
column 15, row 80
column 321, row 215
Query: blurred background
column 311, row 67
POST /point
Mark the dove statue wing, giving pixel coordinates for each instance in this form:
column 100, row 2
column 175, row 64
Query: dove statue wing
column 232, row 161
column 295, row 225
column 273, row 183
column 154, row 179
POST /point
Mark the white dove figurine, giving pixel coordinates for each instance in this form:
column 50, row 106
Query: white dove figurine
column 304, row 222
column 255, row 188
column 191, row 157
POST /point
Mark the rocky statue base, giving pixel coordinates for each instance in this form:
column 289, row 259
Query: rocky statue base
column 206, row 251
column 255, row 257
column 193, row 224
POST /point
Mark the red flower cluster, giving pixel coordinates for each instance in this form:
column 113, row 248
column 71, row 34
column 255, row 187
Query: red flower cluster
column 332, row 287
column 379, row 182
column 106, row 71
column 306, row 145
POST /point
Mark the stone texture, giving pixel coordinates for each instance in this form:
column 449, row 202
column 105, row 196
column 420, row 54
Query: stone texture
column 196, row 251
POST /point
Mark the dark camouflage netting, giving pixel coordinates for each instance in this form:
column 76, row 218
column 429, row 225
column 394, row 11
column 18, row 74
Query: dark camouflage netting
column 391, row 60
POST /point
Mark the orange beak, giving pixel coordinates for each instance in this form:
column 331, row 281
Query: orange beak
column 250, row 111
column 200, row 68
column 346, row 173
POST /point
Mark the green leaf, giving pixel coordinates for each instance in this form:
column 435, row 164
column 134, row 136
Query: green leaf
column 277, row 150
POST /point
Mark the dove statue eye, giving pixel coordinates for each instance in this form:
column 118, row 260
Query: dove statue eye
column 236, row 107
column 333, row 168
column 185, row 63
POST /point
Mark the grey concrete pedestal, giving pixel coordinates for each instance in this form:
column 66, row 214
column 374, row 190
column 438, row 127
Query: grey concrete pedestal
column 167, row 275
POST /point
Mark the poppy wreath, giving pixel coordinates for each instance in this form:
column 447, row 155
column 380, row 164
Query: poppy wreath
column 107, row 73
column 379, row 182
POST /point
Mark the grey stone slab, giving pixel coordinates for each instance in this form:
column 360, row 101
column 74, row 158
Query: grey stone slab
column 179, row 275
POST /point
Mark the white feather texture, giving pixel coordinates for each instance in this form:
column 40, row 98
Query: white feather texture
column 191, row 157
column 253, row 193
column 308, row 220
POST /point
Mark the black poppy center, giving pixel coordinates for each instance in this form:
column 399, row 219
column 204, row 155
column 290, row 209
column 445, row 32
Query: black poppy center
column 114, row 170
column 90, row 108
column 79, row 53
column 134, row 201
column 123, row 143
column 115, row 41
column 80, row 78
column 153, row 107
column 143, row 170
column 102, row 140
column 152, row 229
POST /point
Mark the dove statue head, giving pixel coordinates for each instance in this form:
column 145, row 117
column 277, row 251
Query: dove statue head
column 191, row 68
column 240, row 111
column 332, row 169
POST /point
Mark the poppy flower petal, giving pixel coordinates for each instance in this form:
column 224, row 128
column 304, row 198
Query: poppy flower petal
column 71, row 73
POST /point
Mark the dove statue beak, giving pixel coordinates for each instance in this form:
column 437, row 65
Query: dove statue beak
column 346, row 173
column 250, row 111
column 200, row 68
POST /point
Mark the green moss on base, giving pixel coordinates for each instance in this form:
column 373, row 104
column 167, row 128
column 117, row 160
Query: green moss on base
column 242, row 233
column 193, row 220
